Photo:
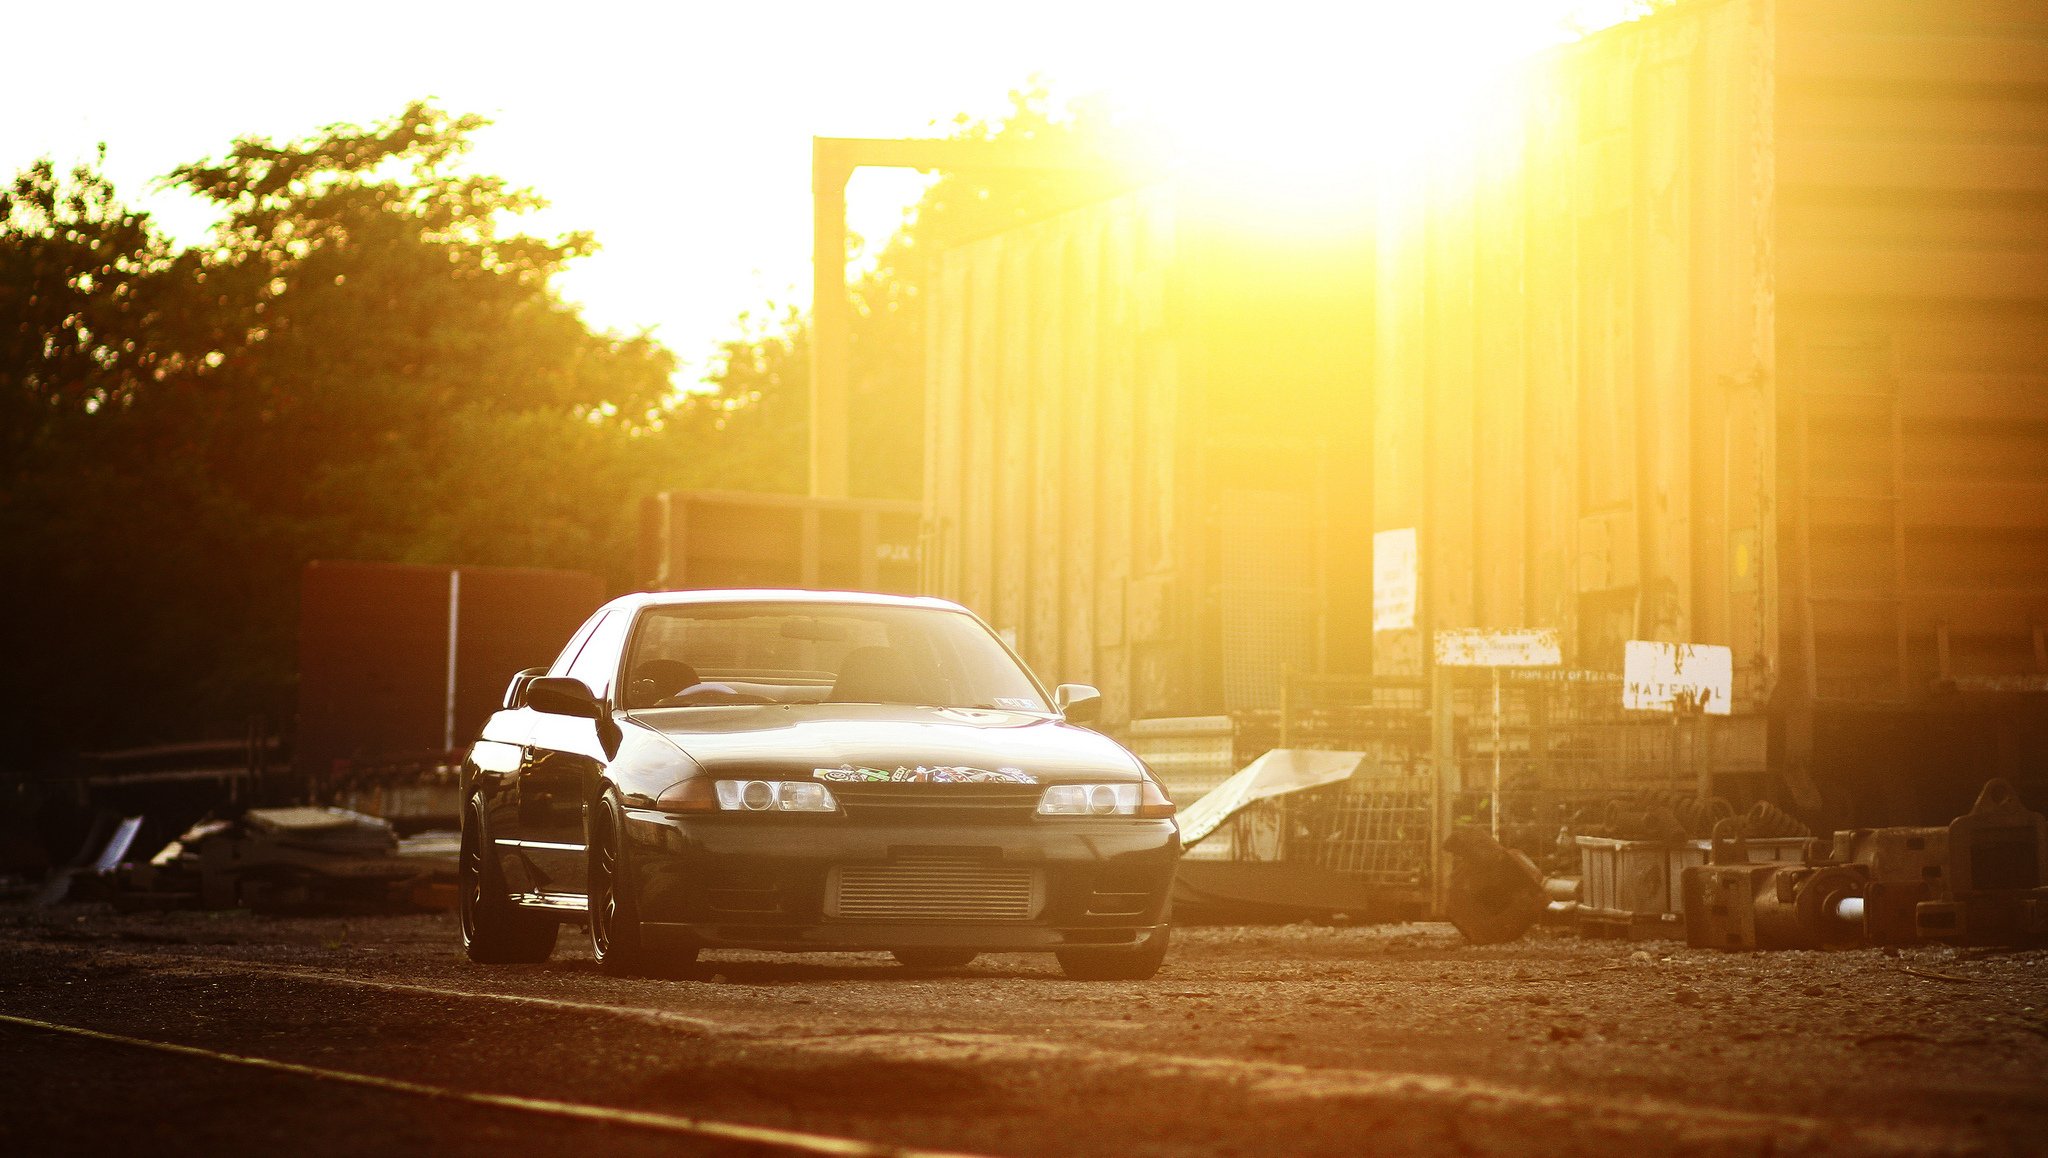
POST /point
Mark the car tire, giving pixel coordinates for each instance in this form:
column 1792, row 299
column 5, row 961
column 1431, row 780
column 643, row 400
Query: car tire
column 615, row 939
column 494, row 930
column 933, row 958
column 1116, row 964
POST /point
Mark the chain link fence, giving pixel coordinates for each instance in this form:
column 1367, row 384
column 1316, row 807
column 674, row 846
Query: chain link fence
column 1569, row 758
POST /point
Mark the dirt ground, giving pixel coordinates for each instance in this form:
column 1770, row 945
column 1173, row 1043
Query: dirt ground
column 1253, row 1040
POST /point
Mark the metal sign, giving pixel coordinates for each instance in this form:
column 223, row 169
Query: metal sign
column 1393, row 579
column 1670, row 677
column 1479, row 647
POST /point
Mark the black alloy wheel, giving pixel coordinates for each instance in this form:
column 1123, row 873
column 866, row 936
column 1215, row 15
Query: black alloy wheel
column 934, row 958
column 614, row 906
column 494, row 930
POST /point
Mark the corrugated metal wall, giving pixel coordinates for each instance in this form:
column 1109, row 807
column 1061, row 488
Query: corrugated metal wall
column 1148, row 446
column 1736, row 331
column 1912, row 203
column 1054, row 506
column 710, row 539
column 1575, row 352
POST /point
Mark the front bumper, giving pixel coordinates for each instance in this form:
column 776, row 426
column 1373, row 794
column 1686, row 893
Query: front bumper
column 766, row 882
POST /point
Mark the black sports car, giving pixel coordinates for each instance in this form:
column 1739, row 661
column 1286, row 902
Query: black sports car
column 808, row 771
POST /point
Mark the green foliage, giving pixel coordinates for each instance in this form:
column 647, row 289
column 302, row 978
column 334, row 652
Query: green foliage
column 364, row 364
column 81, row 293
column 756, row 424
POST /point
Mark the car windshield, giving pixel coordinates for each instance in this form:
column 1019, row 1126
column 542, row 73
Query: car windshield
column 707, row 654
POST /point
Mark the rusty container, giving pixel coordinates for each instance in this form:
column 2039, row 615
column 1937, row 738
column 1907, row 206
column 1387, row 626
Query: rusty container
column 1735, row 331
column 712, row 539
column 1147, row 447
column 404, row 663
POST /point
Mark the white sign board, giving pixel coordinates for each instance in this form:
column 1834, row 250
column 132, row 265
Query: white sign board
column 1393, row 580
column 1478, row 647
column 1657, row 677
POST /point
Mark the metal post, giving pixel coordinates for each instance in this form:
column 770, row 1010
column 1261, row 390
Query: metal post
column 1286, row 706
column 1496, row 752
column 833, row 160
column 830, row 325
column 1443, row 713
column 454, row 628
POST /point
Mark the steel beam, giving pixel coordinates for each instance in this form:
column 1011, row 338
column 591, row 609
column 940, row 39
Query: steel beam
column 833, row 160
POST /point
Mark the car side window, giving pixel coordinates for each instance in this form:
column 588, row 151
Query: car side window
column 598, row 663
column 575, row 648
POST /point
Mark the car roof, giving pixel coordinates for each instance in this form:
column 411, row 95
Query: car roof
column 641, row 599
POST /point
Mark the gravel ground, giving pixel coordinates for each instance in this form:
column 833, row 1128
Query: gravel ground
column 1252, row 1040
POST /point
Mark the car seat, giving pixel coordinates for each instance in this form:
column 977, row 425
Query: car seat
column 657, row 680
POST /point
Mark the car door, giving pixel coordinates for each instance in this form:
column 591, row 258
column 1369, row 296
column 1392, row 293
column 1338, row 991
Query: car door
column 499, row 755
column 563, row 760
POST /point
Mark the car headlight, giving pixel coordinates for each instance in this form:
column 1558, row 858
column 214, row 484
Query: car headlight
column 700, row 795
column 774, row 796
column 1130, row 799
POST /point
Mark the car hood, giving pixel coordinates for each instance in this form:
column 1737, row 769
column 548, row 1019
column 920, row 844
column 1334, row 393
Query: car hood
column 787, row 738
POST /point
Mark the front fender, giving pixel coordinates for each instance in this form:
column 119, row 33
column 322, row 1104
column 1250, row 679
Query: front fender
column 646, row 765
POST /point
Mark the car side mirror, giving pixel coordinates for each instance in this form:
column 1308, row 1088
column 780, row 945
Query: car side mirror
column 1077, row 703
column 515, row 692
column 562, row 696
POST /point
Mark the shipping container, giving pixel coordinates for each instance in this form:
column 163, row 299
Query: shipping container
column 400, row 665
column 712, row 539
column 1734, row 329
column 1147, row 447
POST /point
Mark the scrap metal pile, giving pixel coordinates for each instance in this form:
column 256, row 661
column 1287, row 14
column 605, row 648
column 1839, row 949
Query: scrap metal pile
column 279, row 859
column 1980, row 880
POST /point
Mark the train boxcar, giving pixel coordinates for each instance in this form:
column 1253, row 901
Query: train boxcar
column 1734, row 330
column 703, row 539
column 1147, row 448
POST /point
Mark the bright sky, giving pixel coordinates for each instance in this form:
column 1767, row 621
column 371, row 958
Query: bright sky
column 679, row 133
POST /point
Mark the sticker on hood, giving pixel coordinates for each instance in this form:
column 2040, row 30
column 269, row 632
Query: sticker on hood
column 849, row 774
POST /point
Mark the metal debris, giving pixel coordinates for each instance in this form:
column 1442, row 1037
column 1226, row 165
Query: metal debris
column 1496, row 893
column 1277, row 773
column 285, row 858
column 1981, row 880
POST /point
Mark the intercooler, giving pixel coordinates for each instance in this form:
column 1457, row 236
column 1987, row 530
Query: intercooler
column 934, row 889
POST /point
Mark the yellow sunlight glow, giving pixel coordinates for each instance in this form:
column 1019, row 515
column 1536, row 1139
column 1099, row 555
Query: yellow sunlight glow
column 1311, row 107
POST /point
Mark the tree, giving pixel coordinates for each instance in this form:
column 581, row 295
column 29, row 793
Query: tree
column 375, row 300
column 82, row 282
column 364, row 364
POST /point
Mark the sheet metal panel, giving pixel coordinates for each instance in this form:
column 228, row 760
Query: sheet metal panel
column 1914, row 263
column 1573, row 324
column 1141, row 358
column 712, row 539
column 374, row 652
column 1608, row 354
column 1051, row 482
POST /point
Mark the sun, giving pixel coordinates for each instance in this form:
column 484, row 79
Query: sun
column 1312, row 104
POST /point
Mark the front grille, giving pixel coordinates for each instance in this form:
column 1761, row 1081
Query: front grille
column 934, row 889
column 939, row 803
